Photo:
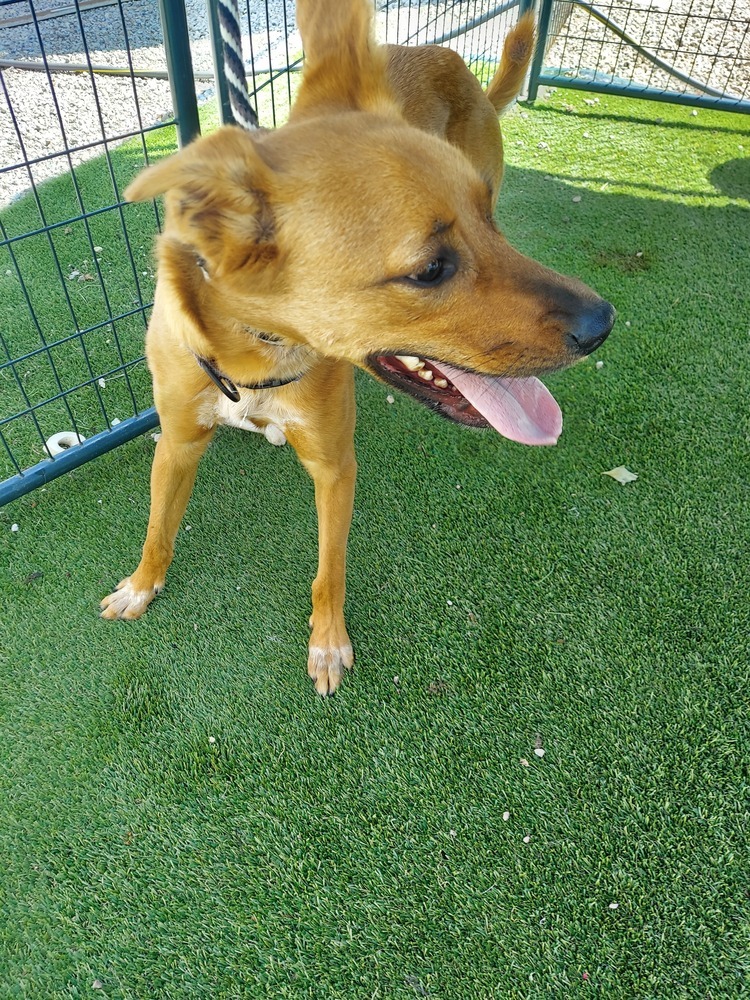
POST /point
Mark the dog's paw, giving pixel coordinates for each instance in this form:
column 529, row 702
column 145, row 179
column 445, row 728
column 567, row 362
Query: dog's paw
column 326, row 665
column 274, row 435
column 127, row 602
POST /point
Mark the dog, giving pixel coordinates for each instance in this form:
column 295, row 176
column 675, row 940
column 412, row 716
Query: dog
column 361, row 233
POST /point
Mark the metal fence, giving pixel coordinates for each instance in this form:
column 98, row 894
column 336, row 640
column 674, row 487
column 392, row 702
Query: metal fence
column 677, row 51
column 90, row 90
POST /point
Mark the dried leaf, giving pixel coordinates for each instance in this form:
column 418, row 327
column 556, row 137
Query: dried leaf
column 622, row 475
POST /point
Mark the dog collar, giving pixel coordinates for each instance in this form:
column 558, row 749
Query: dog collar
column 229, row 388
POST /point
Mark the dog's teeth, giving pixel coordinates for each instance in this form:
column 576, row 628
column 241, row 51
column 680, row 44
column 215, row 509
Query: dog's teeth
column 410, row 362
column 426, row 375
column 441, row 383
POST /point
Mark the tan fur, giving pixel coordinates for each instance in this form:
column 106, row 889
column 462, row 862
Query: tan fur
column 507, row 82
column 313, row 235
column 437, row 93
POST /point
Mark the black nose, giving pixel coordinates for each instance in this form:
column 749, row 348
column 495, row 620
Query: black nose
column 591, row 328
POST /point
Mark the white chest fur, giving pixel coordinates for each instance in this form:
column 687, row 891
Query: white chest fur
column 256, row 410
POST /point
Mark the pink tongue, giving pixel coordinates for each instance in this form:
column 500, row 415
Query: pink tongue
column 522, row 409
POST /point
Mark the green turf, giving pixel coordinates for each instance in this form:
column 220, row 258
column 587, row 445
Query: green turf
column 499, row 597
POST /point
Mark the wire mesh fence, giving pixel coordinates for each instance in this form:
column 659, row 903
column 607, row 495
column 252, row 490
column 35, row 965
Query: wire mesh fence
column 92, row 90
column 76, row 122
column 672, row 50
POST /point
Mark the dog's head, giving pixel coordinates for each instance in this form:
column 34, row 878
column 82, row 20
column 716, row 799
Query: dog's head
column 374, row 242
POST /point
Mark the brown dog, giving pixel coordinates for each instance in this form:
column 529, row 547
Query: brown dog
column 360, row 233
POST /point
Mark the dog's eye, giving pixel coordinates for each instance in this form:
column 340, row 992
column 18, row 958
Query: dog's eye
column 436, row 271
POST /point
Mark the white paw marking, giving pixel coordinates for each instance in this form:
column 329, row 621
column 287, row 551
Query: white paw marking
column 326, row 665
column 126, row 602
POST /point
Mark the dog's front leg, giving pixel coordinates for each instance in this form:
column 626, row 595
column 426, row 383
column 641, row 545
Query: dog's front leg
column 326, row 449
column 330, row 649
column 172, row 477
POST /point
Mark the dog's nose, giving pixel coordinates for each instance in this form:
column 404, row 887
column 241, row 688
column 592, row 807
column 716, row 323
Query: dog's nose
column 591, row 328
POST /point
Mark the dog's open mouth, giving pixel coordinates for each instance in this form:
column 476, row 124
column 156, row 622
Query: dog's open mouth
column 522, row 409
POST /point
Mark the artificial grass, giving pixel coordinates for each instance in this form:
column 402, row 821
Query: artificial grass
column 500, row 597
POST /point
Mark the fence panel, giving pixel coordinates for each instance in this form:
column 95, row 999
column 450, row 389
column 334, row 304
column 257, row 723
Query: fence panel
column 82, row 109
column 666, row 50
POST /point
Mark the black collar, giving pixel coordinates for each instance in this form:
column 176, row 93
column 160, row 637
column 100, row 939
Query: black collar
column 229, row 388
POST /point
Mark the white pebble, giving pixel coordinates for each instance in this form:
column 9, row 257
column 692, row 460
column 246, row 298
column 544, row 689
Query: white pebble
column 115, row 421
column 450, row 604
column 14, row 527
column 599, row 364
column 613, row 906
column 524, row 762
column 390, row 399
column 211, row 739
column 576, row 199
column 506, row 816
column 539, row 751
column 527, row 839
column 102, row 383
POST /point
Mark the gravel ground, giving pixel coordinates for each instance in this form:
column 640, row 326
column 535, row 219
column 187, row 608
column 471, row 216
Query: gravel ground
column 112, row 107
column 103, row 107
column 709, row 42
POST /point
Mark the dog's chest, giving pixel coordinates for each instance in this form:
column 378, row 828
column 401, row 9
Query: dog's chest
column 254, row 410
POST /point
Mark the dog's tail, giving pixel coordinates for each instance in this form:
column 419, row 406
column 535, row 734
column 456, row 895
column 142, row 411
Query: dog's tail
column 517, row 51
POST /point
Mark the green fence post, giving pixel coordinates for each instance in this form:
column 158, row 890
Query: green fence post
column 180, row 69
column 542, row 30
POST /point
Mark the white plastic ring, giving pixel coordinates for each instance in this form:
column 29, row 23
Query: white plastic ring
column 61, row 442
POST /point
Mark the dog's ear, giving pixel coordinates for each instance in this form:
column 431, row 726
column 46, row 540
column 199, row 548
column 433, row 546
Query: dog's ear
column 344, row 66
column 218, row 200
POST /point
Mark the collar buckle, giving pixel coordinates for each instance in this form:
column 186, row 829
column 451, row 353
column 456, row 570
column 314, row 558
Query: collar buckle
column 226, row 385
